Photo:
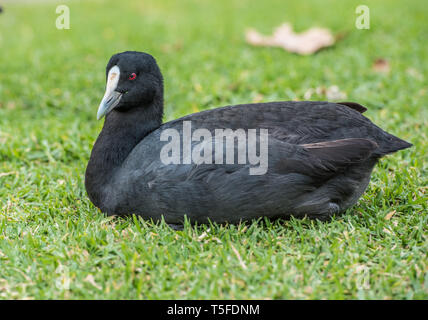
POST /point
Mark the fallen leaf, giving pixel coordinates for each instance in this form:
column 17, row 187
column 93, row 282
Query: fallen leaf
column 386, row 231
column 389, row 215
column 308, row 94
column 414, row 73
column 171, row 47
column 11, row 105
column 4, row 174
column 381, row 65
column 241, row 262
column 216, row 239
column 331, row 93
column 258, row 98
column 204, row 235
column 308, row 290
column 90, row 279
column 304, row 43
column 346, row 234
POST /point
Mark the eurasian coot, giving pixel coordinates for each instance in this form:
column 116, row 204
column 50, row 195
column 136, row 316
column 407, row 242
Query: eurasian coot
column 229, row 164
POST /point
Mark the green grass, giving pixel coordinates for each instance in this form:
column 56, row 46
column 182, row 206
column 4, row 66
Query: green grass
column 51, row 82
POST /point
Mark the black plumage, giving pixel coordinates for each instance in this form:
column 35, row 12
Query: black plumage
column 321, row 156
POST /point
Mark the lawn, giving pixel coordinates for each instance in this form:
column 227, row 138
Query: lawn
column 55, row 244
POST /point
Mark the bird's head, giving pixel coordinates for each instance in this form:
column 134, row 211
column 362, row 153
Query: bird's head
column 133, row 80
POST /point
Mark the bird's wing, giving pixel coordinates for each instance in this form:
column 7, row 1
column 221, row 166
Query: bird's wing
column 288, row 121
column 316, row 160
column 324, row 159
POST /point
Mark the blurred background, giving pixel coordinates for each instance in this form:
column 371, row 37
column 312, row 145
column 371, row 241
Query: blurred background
column 54, row 79
column 51, row 82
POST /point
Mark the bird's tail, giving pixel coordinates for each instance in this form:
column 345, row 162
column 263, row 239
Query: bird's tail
column 393, row 144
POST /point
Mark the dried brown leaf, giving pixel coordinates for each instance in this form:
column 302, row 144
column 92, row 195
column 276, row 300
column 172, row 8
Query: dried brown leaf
column 304, row 43
column 381, row 65
column 4, row 174
column 414, row 73
column 389, row 215
column 241, row 262
column 332, row 93
column 258, row 98
column 90, row 279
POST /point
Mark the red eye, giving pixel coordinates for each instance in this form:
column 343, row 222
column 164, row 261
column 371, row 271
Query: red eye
column 133, row 76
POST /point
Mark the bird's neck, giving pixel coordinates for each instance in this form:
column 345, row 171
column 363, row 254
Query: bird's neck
column 121, row 132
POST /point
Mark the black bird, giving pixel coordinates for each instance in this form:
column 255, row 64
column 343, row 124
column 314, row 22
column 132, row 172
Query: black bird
column 320, row 155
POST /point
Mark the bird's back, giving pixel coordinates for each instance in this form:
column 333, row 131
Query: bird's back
column 297, row 122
